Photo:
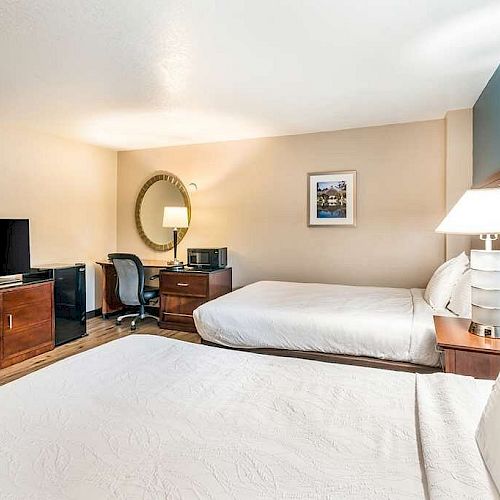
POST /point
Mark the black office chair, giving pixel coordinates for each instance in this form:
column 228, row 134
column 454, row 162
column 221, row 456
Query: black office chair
column 130, row 286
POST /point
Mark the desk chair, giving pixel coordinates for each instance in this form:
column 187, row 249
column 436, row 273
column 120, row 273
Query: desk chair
column 130, row 286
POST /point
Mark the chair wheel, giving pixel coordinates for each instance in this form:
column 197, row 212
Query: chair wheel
column 118, row 323
column 133, row 327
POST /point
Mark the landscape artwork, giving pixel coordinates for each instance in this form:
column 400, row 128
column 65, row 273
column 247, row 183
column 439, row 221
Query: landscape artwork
column 332, row 200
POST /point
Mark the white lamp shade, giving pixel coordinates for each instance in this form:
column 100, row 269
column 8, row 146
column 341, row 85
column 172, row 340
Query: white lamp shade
column 175, row 217
column 476, row 212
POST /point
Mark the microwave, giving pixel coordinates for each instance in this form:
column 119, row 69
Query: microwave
column 209, row 258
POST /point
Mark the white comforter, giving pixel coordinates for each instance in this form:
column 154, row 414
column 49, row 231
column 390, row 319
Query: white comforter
column 385, row 323
column 147, row 417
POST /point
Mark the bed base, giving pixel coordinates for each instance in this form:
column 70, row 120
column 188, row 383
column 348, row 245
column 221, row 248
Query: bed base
column 345, row 359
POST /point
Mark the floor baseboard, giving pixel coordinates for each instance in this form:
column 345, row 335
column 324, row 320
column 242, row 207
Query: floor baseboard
column 94, row 313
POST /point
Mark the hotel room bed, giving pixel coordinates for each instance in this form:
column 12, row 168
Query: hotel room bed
column 150, row 417
column 394, row 324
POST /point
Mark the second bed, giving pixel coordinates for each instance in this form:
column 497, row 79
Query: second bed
column 392, row 324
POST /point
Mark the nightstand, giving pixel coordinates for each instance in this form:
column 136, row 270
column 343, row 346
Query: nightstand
column 181, row 292
column 465, row 353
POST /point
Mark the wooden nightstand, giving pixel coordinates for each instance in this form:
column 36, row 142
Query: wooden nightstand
column 465, row 353
column 181, row 292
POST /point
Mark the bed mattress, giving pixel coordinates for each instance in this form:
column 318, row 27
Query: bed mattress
column 387, row 323
column 150, row 417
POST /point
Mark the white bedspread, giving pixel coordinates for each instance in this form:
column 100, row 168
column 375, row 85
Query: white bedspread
column 147, row 417
column 385, row 323
column 449, row 409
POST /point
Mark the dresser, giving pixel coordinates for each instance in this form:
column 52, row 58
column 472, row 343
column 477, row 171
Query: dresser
column 27, row 321
column 181, row 292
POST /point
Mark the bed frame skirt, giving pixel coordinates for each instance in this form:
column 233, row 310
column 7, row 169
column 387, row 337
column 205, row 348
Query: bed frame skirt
column 346, row 359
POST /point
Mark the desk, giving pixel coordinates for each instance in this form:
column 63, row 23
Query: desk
column 110, row 302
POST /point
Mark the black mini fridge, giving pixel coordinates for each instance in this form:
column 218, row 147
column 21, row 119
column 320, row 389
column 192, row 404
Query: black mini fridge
column 69, row 300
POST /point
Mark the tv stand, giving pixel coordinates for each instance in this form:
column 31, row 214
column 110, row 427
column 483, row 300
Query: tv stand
column 11, row 280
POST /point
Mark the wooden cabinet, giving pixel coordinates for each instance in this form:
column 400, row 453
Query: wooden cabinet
column 465, row 353
column 27, row 322
column 181, row 292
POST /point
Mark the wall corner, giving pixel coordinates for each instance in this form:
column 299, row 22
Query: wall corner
column 458, row 169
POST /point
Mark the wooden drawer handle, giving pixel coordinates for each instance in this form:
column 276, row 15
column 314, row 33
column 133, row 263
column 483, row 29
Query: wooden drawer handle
column 182, row 284
column 10, row 321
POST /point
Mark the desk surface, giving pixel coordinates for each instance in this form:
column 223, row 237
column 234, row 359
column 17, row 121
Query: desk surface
column 145, row 263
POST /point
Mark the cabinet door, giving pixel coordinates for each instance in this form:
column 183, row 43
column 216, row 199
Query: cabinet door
column 25, row 341
column 27, row 322
column 24, row 307
column 477, row 364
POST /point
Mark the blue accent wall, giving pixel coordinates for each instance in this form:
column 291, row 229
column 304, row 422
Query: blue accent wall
column 487, row 130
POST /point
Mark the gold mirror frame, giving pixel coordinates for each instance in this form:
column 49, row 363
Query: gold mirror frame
column 175, row 181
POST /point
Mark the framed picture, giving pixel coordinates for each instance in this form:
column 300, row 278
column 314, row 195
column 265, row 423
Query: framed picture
column 332, row 198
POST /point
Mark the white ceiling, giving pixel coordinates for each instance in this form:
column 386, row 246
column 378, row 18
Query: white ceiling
column 130, row 74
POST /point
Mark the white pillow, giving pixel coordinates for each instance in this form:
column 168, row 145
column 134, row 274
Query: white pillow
column 488, row 434
column 461, row 297
column 441, row 285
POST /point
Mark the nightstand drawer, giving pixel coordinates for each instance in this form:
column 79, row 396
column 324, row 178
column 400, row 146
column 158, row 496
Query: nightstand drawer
column 183, row 284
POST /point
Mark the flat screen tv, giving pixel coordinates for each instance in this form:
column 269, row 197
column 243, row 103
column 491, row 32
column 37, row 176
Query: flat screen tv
column 14, row 246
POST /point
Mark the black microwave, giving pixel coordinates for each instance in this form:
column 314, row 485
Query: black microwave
column 209, row 258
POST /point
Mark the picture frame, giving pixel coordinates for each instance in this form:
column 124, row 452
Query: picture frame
column 331, row 198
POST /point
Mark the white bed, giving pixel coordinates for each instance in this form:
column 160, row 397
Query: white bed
column 386, row 323
column 149, row 417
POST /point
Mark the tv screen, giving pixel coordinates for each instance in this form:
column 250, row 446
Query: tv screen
column 14, row 246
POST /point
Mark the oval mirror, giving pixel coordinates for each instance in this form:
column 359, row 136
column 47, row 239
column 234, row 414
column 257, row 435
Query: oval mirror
column 161, row 190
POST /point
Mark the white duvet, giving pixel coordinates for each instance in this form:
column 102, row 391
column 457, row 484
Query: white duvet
column 148, row 417
column 386, row 323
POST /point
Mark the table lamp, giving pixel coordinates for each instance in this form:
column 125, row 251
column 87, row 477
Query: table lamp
column 477, row 212
column 175, row 217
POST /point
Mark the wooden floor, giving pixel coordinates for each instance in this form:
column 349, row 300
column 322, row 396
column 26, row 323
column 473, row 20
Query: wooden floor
column 99, row 332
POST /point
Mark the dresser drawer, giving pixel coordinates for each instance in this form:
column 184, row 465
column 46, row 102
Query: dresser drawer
column 187, row 285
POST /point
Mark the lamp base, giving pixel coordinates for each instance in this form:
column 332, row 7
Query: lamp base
column 175, row 265
column 485, row 330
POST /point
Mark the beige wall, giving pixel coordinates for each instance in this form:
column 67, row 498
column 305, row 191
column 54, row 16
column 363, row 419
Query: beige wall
column 252, row 198
column 458, row 169
column 68, row 191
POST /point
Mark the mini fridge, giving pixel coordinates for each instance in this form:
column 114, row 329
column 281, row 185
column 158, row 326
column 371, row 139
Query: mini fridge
column 69, row 300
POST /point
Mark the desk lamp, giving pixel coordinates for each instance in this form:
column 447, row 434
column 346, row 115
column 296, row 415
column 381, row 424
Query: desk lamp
column 175, row 217
column 477, row 212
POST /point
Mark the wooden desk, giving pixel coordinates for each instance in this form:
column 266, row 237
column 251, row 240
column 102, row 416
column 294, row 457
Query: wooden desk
column 464, row 352
column 110, row 302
